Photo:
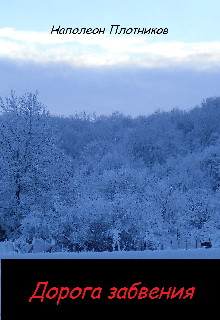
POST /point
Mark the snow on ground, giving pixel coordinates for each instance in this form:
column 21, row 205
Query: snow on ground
column 213, row 253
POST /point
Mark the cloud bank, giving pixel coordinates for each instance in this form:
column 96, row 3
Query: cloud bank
column 89, row 50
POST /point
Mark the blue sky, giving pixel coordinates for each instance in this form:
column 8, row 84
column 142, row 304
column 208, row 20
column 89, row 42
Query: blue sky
column 132, row 73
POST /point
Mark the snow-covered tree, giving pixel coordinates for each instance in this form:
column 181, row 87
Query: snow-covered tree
column 31, row 165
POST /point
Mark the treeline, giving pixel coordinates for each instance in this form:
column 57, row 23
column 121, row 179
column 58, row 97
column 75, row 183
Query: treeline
column 109, row 182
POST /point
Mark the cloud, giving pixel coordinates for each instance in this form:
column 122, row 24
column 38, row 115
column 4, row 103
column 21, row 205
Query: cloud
column 107, row 50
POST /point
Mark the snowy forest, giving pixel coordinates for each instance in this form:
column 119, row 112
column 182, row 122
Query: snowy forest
column 104, row 183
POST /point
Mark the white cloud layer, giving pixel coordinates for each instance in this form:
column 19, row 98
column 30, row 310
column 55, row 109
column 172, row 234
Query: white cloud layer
column 105, row 50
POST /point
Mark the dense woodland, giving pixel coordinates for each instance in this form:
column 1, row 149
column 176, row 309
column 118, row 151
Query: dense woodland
column 108, row 183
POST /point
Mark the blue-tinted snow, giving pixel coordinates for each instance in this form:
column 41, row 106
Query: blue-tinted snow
column 213, row 253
